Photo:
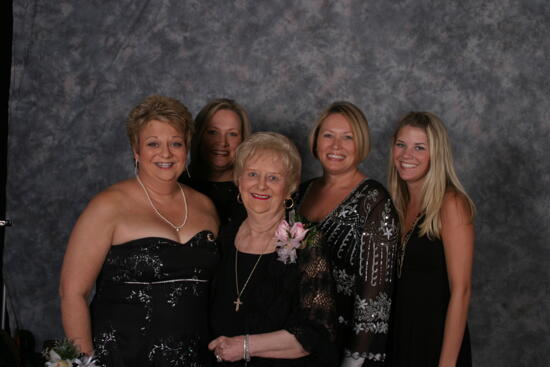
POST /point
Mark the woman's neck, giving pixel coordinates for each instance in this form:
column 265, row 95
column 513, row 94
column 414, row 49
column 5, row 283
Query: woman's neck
column 220, row 176
column 346, row 179
column 157, row 187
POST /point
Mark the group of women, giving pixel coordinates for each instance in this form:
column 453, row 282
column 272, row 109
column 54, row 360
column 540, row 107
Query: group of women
column 230, row 260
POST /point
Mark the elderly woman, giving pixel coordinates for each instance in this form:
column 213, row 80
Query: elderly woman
column 149, row 243
column 435, row 268
column 272, row 303
column 360, row 225
column 221, row 126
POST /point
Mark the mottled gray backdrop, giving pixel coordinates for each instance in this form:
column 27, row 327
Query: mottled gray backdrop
column 79, row 66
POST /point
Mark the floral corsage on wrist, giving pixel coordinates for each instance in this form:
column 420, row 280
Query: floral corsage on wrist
column 65, row 353
column 292, row 236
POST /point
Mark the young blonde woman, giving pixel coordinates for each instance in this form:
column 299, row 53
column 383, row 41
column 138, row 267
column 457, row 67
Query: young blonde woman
column 435, row 264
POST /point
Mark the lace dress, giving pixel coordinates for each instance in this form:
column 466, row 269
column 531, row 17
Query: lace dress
column 294, row 297
column 420, row 307
column 362, row 235
column 150, row 303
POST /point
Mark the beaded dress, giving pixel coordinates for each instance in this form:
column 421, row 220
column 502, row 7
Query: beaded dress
column 362, row 235
column 296, row 297
column 420, row 306
column 151, row 301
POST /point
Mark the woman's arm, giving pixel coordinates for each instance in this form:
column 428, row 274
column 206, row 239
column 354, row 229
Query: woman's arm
column 457, row 233
column 373, row 285
column 277, row 344
column 88, row 245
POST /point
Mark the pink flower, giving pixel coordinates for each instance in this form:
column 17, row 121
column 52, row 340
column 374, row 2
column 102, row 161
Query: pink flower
column 288, row 240
column 281, row 234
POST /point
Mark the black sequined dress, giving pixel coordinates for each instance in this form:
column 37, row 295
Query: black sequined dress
column 151, row 302
column 420, row 307
column 362, row 235
column 296, row 297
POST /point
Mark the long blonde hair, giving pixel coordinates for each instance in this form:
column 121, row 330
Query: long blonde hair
column 440, row 178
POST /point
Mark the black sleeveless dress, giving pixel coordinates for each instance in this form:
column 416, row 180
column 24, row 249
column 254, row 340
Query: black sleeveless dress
column 151, row 302
column 420, row 305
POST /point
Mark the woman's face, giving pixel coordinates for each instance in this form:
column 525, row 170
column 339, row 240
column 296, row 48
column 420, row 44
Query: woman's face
column 263, row 184
column 336, row 149
column 411, row 154
column 161, row 151
column 220, row 139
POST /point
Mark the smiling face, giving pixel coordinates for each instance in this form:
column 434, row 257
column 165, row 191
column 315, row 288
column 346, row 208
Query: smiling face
column 263, row 184
column 336, row 149
column 222, row 135
column 411, row 155
column 161, row 151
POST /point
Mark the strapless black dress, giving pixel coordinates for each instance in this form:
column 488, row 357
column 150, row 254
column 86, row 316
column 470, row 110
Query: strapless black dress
column 151, row 302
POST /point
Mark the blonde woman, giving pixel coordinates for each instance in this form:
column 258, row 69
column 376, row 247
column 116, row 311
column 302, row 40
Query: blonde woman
column 360, row 225
column 148, row 245
column 435, row 264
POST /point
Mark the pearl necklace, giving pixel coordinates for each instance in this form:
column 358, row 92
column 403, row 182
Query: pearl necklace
column 177, row 228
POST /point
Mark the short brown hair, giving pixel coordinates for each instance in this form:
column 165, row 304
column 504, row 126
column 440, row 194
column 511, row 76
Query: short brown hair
column 163, row 109
column 358, row 123
column 272, row 143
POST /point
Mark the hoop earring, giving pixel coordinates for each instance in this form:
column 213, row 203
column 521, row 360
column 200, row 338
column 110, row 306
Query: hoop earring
column 239, row 199
column 289, row 206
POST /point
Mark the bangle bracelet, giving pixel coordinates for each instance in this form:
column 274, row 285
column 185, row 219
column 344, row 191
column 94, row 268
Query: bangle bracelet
column 246, row 350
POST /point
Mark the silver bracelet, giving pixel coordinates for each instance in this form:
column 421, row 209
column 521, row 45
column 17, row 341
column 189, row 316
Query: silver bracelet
column 246, row 350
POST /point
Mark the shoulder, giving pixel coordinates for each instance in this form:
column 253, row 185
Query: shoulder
column 455, row 209
column 374, row 190
column 199, row 201
column 110, row 200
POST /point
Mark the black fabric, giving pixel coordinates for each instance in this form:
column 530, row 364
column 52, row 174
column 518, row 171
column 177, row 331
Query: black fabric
column 362, row 236
column 296, row 297
column 224, row 196
column 162, row 324
column 420, row 306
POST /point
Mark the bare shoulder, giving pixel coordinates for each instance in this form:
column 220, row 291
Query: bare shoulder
column 111, row 200
column 202, row 208
column 455, row 209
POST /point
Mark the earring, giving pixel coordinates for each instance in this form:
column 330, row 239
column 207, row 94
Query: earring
column 188, row 174
column 136, row 167
column 287, row 205
column 239, row 199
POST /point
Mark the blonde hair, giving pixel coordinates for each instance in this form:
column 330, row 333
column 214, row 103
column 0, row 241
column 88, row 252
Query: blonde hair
column 270, row 142
column 163, row 109
column 440, row 178
column 358, row 123
column 202, row 119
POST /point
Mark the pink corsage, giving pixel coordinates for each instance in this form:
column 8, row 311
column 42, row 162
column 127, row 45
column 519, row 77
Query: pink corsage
column 289, row 238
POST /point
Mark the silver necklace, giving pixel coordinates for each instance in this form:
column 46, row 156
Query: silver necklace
column 177, row 228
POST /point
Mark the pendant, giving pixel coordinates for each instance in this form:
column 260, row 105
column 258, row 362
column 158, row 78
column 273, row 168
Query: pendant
column 237, row 304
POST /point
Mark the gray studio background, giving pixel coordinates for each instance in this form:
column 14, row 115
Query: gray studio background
column 79, row 66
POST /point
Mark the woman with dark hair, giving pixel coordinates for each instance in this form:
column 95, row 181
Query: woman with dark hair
column 221, row 126
column 360, row 225
column 148, row 245
column 435, row 264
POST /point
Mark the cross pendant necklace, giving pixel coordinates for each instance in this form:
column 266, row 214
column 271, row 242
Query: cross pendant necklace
column 237, row 304
column 238, row 301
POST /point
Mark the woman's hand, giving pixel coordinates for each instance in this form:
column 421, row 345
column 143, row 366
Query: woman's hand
column 228, row 349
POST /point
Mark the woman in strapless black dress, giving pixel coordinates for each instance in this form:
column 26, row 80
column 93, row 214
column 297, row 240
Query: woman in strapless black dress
column 432, row 292
column 221, row 126
column 150, row 244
